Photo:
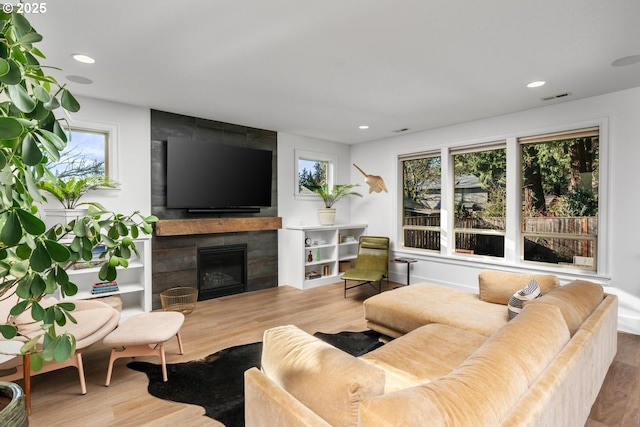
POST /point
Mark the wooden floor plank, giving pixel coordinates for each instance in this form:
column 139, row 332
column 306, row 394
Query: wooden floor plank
column 239, row 319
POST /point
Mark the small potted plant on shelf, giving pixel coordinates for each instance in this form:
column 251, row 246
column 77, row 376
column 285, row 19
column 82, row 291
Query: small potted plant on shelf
column 331, row 195
column 69, row 192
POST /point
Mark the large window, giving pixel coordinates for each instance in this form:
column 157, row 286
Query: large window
column 527, row 201
column 421, row 202
column 480, row 178
column 560, row 198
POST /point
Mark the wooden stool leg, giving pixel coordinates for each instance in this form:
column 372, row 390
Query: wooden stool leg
column 164, row 363
column 112, row 359
column 80, row 366
column 180, row 343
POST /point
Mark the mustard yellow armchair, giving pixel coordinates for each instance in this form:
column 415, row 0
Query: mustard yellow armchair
column 372, row 263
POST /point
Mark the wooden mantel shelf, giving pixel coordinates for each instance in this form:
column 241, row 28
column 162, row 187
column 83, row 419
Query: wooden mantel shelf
column 182, row 227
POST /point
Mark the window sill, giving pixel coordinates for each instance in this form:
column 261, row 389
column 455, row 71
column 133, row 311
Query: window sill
column 482, row 262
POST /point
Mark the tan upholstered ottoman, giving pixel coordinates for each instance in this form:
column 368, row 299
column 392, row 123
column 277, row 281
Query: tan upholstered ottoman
column 136, row 334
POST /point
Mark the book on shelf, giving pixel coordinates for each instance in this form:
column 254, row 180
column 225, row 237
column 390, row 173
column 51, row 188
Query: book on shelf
column 312, row 275
column 101, row 287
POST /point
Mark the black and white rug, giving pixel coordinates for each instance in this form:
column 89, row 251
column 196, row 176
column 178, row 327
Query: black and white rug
column 217, row 382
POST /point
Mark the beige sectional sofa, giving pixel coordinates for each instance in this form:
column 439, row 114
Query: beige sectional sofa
column 456, row 360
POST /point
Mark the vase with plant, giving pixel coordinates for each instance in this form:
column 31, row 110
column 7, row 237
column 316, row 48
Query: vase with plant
column 330, row 195
column 34, row 257
column 68, row 192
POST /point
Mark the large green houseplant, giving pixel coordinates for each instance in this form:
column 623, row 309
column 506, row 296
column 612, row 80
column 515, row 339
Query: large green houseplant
column 330, row 195
column 33, row 259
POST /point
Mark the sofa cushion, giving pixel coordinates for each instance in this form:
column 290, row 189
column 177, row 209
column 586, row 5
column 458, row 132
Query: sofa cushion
column 484, row 388
column 424, row 354
column 328, row 381
column 529, row 292
column 576, row 301
column 404, row 309
column 498, row 286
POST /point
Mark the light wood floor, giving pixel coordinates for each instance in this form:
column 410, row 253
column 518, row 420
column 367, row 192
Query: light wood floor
column 239, row 319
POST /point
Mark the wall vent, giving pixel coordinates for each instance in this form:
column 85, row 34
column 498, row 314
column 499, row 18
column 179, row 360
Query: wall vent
column 562, row 95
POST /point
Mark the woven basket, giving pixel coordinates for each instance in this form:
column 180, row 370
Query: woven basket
column 182, row 299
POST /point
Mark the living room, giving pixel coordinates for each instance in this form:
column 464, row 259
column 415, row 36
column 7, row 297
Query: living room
column 613, row 111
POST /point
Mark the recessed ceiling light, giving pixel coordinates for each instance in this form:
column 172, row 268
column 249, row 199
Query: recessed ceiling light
column 537, row 83
column 363, row 127
column 85, row 59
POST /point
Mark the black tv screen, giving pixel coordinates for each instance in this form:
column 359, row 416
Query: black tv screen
column 205, row 175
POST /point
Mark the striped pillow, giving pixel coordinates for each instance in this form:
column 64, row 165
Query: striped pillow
column 529, row 292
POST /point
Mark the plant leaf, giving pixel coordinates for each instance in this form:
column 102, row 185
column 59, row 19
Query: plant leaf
column 19, row 269
column 31, row 223
column 36, row 361
column 12, row 231
column 54, row 139
column 14, row 76
column 8, row 331
column 37, row 312
column 58, row 252
column 38, row 285
column 31, row 154
column 4, row 67
column 40, row 259
column 20, row 21
column 21, row 98
column 69, row 103
column 10, row 128
column 19, row 308
column 31, row 37
column 63, row 349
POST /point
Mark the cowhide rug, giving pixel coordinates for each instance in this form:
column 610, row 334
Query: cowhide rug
column 217, row 382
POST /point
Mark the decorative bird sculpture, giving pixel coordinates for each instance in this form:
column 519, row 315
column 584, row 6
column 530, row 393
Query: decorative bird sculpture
column 375, row 182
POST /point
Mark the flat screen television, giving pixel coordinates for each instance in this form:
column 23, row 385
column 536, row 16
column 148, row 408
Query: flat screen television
column 206, row 176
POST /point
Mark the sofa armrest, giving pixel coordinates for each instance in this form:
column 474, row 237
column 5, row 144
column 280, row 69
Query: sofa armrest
column 266, row 404
column 326, row 380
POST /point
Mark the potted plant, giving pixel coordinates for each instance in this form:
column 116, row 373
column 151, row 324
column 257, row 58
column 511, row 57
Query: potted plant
column 33, row 258
column 69, row 192
column 331, row 195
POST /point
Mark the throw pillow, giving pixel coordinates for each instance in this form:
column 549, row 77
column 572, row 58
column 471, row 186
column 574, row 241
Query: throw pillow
column 528, row 293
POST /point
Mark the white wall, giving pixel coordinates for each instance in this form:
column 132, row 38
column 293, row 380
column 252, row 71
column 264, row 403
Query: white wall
column 132, row 133
column 305, row 212
column 621, row 110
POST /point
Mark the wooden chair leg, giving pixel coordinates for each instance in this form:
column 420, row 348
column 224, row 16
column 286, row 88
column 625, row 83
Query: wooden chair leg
column 80, row 366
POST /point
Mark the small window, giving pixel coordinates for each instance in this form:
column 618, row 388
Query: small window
column 421, row 202
column 480, row 201
column 86, row 154
column 312, row 171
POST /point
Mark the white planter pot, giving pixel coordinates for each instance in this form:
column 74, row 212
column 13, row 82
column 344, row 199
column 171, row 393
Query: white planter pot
column 327, row 216
column 62, row 216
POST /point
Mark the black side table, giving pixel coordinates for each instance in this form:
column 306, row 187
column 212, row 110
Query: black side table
column 407, row 261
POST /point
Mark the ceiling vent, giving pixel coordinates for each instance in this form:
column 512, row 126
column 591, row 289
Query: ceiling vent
column 562, row 95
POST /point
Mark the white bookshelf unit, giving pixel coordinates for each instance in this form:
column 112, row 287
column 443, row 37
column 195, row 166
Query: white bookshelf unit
column 309, row 249
column 134, row 282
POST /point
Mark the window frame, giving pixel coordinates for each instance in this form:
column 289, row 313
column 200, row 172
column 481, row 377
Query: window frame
column 332, row 167
column 478, row 148
column 545, row 138
column 404, row 227
column 514, row 253
column 111, row 132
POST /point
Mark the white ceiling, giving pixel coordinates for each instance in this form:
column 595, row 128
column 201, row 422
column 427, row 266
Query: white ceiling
column 321, row 68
